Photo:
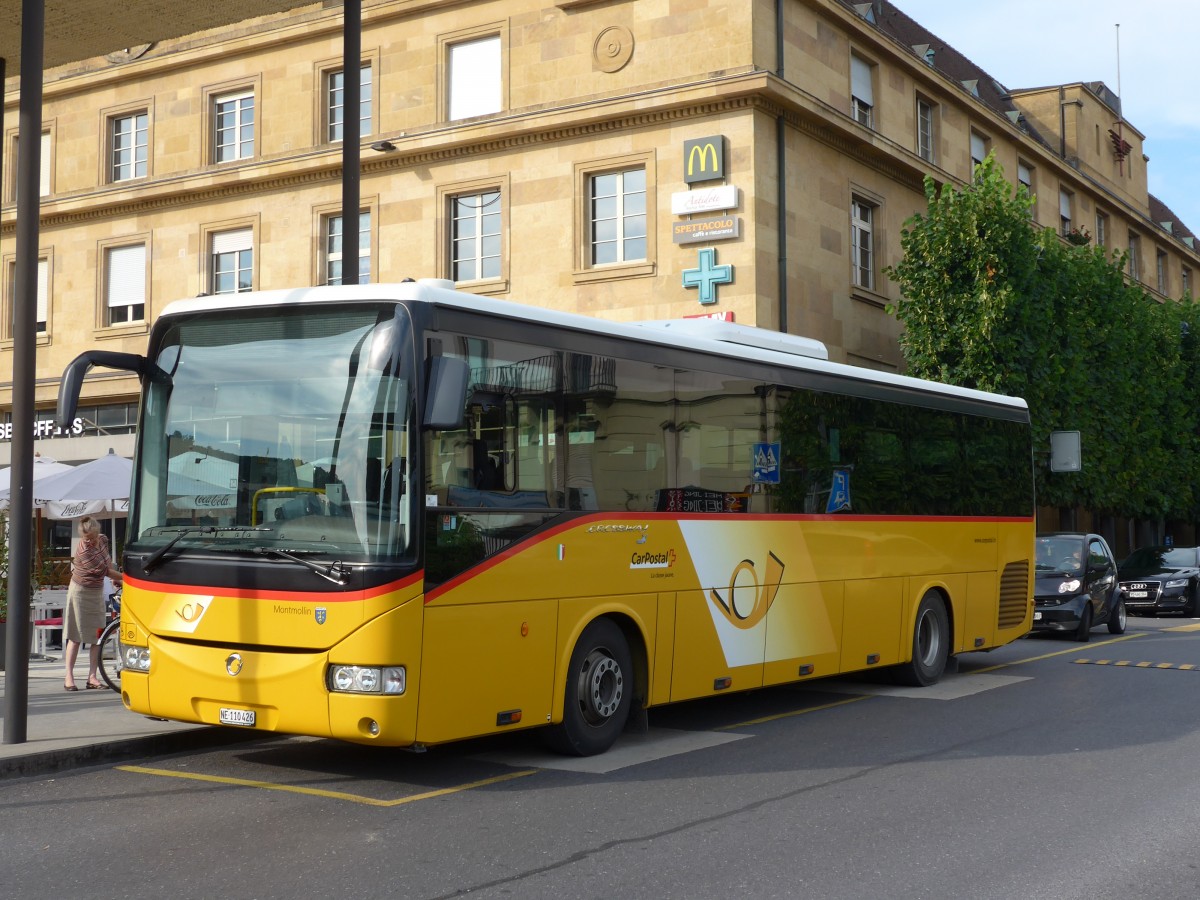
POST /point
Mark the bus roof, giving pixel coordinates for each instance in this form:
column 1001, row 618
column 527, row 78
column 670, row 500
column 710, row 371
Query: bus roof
column 770, row 347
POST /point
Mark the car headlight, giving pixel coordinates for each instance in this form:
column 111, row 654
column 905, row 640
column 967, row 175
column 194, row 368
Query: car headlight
column 366, row 679
column 1177, row 583
column 136, row 659
column 1069, row 587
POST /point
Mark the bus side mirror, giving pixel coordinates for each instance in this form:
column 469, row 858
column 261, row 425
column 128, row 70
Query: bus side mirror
column 72, row 380
column 446, row 393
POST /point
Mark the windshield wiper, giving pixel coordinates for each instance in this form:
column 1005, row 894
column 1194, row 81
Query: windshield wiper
column 190, row 531
column 335, row 571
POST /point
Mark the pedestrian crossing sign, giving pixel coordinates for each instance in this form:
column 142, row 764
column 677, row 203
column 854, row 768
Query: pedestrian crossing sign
column 766, row 463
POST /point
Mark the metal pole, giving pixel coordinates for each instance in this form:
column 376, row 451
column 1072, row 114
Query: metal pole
column 20, row 556
column 351, row 135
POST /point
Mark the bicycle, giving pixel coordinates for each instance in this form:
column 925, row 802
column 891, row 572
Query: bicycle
column 112, row 658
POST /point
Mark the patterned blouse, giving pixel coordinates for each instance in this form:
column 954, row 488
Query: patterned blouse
column 91, row 563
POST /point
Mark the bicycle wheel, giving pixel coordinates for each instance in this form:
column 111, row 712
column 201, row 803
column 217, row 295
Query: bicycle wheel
column 111, row 661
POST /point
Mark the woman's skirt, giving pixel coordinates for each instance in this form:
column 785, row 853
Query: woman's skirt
column 83, row 619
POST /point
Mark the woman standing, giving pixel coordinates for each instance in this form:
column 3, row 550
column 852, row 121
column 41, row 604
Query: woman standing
column 84, row 615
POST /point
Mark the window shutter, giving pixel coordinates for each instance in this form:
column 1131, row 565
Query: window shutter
column 978, row 149
column 44, row 184
column 475, row 78
column 1024, row 175
column 43, row 290
column 860, row 80
column 127, row 275
column 233, row 241
column 1064, row 204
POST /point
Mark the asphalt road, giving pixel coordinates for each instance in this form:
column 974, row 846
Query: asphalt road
column 1046, row 769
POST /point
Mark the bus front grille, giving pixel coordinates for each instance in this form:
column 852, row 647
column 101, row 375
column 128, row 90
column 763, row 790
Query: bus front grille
column 1014, row 594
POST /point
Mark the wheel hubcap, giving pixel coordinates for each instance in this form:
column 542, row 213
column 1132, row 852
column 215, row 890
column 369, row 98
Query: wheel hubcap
column 929, row 639
column 601, row 687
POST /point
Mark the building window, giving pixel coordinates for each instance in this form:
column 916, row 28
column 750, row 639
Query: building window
column 232, row 262
column 335, row 90
column 617, row 217
column 925, row 130
column 233, row 127
column 128, row 146
column 125, row 284
column 1135, row 264
column 1025, row 176
column 333, row 248
column 862, row 94
column 979, row 149
column 43, row 296
column 1160, row 271
column 47, row 166
column 1064, row 211
column 1101, row 229
column 862, row 242
column 475, row 78
column 1185, row 280
column 475, row 234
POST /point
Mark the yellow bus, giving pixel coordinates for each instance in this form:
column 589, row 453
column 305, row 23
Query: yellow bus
column 403, row 515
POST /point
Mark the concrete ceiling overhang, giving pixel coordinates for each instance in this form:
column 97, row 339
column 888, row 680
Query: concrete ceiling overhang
column 80, row 29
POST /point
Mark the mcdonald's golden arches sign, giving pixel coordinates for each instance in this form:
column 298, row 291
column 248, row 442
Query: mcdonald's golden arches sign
column 704, row 159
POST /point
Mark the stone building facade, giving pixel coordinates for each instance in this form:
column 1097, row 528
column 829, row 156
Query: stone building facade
column 552, row 153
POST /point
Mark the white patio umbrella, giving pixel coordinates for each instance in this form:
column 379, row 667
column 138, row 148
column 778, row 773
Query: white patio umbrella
column 107, row 478
column 43, row 467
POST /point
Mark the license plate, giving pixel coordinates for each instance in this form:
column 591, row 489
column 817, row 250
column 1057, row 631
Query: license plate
column 1139, row 595
column 237, row 716
column 1037, row 617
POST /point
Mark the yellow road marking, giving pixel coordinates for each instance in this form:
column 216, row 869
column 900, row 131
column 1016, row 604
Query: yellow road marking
column 1188, row 666
column 318, row 792
column 1195, row 627
column 1017, row 662
column 1184, row 667
column 794, row 712
column 1143, row 665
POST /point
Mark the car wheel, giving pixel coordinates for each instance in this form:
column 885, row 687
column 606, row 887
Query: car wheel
column 1117, row 617
column 1084, row 632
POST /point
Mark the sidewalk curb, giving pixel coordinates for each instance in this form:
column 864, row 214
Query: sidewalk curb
column 48, row 762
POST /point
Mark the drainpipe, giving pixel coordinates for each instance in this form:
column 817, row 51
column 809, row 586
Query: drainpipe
column 781, row 175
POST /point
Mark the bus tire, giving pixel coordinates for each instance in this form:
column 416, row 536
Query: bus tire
column 599, row 692
column 930, row 643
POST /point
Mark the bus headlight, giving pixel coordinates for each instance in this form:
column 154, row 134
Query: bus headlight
column 366, row 679
column 136, row 659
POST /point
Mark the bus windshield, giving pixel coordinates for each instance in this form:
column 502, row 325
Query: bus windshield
column 279, row 429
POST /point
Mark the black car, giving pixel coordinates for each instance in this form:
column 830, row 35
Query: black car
column 1075, row 586
column 1162, row 579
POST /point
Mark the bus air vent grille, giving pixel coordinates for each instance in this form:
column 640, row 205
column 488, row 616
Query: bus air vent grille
column 1014, row 594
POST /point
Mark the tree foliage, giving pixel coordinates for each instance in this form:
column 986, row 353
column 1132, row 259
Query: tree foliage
column 996, row 304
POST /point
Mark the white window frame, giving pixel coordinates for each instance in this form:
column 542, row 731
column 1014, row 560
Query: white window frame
column 622, row 217
column 474, row 77
column 925, row 130
column 488, row 204
column 862, row 90
column 138, row 161
column 124, row 284
column 1065, row 199
column 862, row 242
column 333, row 236
column 242, row 149
column 335, row 102
column 1135, row 262
column 1101, row 229
column 226, row 255
column 1160, row 265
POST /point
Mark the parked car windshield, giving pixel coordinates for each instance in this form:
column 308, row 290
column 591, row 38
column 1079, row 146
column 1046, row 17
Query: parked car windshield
column 1059, row 554
column 1161, row 558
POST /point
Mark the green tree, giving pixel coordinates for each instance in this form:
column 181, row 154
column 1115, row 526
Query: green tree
column 995, row 304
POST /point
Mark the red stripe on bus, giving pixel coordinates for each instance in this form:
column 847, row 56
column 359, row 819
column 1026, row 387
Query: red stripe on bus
column 294, row 596
column 581, row 521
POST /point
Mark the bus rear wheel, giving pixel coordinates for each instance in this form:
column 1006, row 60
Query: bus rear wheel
column 599, row 692
column 930, row 643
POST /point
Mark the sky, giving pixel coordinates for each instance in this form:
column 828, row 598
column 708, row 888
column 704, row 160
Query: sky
column 1032, row 43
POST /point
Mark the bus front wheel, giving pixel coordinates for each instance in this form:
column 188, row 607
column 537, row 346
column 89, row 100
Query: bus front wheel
column 599, row 692
column 930, row 643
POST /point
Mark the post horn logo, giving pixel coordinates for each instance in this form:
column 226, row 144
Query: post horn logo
column 747, row 604
column 233, row 664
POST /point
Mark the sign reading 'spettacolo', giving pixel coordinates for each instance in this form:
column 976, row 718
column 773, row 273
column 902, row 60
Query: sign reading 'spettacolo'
column 694, row 231
column 684, row 203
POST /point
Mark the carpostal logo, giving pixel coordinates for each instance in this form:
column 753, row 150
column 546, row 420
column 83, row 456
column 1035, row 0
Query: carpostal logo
column 652, row 560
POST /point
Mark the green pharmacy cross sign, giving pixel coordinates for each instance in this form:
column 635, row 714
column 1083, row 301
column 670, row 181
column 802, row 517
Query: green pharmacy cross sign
column 707, row 275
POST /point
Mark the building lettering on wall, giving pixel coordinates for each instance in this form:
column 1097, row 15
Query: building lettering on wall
column 693, row 231
column 44, row 428
column 704, row 159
